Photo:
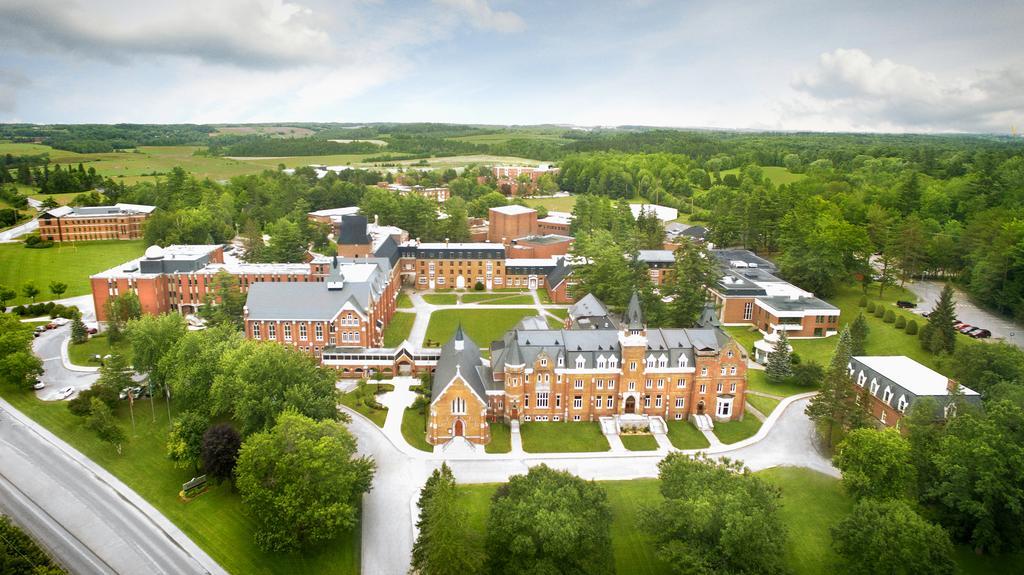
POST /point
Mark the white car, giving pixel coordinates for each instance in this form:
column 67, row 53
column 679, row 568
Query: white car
column 65, row 392
column 38, row 385
column 59, row 321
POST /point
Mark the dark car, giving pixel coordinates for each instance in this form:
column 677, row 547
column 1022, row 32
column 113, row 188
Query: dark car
column 92, row 331
column 906, row 304
column 980, row 333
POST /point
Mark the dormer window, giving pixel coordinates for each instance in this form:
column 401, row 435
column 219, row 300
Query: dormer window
column 663, row 361
column 902, row 404
column 887, row 395
column 861, row 378
column 849, row 367
column 580, row 362
column 650, row 361
column 613, row 362
column 874, row 386
column 682, row 361
column 601, row 362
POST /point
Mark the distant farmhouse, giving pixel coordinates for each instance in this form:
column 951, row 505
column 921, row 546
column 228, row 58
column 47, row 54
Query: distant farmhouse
column 116, row 222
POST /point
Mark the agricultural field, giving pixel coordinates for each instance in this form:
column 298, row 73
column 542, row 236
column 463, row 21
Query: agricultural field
column 281, row 131
column 502, row 137
column 559, row 204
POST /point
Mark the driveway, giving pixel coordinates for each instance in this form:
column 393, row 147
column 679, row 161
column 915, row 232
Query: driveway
column 16, row 232
column 58, row 373
column 966, row 311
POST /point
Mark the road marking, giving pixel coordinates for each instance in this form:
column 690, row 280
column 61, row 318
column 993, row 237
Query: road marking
column 51, row 358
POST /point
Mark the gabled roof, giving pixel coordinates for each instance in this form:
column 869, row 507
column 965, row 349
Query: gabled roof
column 588, row 306
column 464, row 363
column 709, row 316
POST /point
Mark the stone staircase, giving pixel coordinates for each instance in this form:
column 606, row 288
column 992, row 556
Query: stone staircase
column 702, row 422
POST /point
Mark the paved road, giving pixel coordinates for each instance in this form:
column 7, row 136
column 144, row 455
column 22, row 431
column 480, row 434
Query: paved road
column 49, row 347
column 14, row 233
column 1007, row 330
column 90, row 521
column 389, row 509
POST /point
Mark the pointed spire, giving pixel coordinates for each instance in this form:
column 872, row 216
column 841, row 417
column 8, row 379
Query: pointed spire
column 633, row 319
column 514, row 357
column 460, row 338
column 709, row 316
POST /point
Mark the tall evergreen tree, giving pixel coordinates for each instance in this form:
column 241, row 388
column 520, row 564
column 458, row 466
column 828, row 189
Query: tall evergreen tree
column 939, row 335
column 441, row 547
column 78, row 332
column 780, row 360
column 830, row 409
column 859, row 335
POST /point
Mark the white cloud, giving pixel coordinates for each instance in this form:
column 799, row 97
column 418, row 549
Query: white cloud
column 247, row 33
column 480, row 15
column 850, row 87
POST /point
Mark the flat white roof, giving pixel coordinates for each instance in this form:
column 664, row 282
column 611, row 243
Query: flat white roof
column 513, row 210
column 663, row 213
column 351, row 210
column 461, row 246
column 532, row 262
column 914, row 377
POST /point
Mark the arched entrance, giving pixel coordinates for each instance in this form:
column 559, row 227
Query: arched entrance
column 630, row 404
column 532, row 282
column 458, row 430
column 460, row 282
column 700, row 407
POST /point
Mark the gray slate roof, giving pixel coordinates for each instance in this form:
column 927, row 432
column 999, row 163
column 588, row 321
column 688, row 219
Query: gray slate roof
column 466, row 363
column 316, row 301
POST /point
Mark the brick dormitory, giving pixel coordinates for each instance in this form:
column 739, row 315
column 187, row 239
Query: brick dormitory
column 76, row 224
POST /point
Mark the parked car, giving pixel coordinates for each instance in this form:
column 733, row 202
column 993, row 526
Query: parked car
column 966, row 328
column 59, row 321
column 51, row 325
column 38, row 385
column 906, row 304
column 979, row 333
column 65, row 392
column 92, row 331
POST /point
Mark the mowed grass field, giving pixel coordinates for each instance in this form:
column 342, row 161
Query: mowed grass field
column 502, row 137
column 777, row 174
column 559, row 204
column 398, row 329
column 216, row 520
column 482, row 325
column 69, row 263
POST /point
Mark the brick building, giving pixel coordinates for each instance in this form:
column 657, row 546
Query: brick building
column 71, row 224
column 510, row 222
column 624, row 371
column 895, row 382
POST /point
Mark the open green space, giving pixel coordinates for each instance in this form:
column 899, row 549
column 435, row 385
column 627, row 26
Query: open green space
column 502, row 137
column 558, row 311
column 62, row 199
column 765, row 405
column 81, row 353
column 482, row 325
column 757, row 381
column 777, row 174
column 501, row 438
column 639, row 442
column 684, row 435
column 498, row 298
column 358, row 398
column 70, row 263
column 441, row 298
column 403, row 301
column 559, row 204
column 398, row 329
column 563, row 437
column 414, row 428
column 737, row 430
column 555, row 323
column 216, row 520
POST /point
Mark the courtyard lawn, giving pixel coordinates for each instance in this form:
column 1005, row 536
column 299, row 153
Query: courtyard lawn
column 403, row 301
column 765, row 405
column 81, row 353
column 563, row 437
column 414, row 428
column 357, row 399
column 501, row 438
column 398, row 329
column 217, row 520
column 71, row 263
column 482, row 325
column 498, row 299
column 639, row 442
column 559, row 311
column 733, row 431
column 555, row 323
column 441, row 298
column 684, row 435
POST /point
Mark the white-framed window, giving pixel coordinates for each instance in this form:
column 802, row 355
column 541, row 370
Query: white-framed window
column 902, row 404
column 657, row 401
column 680, row 403
column 543, row 362
column 679, row 416
column 271, row 331
column 440, row 281
column 704, row 370
column 580, row 362
column 613, row 362
column 647, row 401
column 949, row 411
column 861, row 379
column 527, row 418
column 601, row 362
column 732, row 387
column 748, row 310
column 303, row 334
column 683, row 361
column 558, row 400
column 575, row 418
column 663, row 361
column 650, row 361
column 723, row 407
column 578, row 384
column 883, row 418
column 632, row 366
column 556, row 419
column 287, row 332
column 703, row 388
column 661, row 384
column 542, row 399
column 611, row 384
column 257, row 330
column 874, row 386
column 423, row 280
column 680, row 383
column 577, row 402
column 459, row 406
column 732, row 370
column 561, row 361
column 718, row 388
column 647, row 384
column 887, row 395
column 599, row 383
column 597, row 401
column 723, row 370
column 611, row 401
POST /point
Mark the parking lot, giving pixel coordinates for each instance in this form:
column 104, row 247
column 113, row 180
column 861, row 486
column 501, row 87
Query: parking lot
column 1002, row 329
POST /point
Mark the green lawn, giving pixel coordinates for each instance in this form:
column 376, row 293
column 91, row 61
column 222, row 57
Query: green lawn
column 217, row 520
column 733, row 431
column 559, row 204
column 765, row 405
column 684, row 435
column 403, row 301
column 559, row 311
column 81, row 353
column 498, row 299
column 62, row 199
column 639, row 442
column 757, row 381
column 398, row 329
column 501, row 438
column 554, row 323
column 777, row 174
column 71, row 263
column 482, row 325
column 441, row 298
column 414, row 429
column 563, row 437
column 355, row 399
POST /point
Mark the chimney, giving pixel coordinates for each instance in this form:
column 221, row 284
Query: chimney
column 376, row 218
column 446, row 242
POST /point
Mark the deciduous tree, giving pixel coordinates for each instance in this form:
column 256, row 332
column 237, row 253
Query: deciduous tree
column 192, row 364
column 875, row 463
column 185, row 442
column 888, row 537
column 30, row 290
column 219, row 453
column 101, row 420
column 18, row 365
column 151, row 337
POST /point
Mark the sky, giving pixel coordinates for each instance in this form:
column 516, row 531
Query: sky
column 890, row 66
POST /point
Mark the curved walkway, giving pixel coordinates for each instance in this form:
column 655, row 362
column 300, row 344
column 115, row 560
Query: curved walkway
column 785, row 439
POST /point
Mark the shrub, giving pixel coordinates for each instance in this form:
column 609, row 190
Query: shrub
column 879, row 311
column 479, row 286
column 901, row 322
column 871, row 307
column 912, row 327
column 863, row 301
column 890, row 316
column 794, row 358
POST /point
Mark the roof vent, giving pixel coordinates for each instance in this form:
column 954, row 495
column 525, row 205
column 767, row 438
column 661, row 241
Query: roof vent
column 335, row 285
column 578, row 348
